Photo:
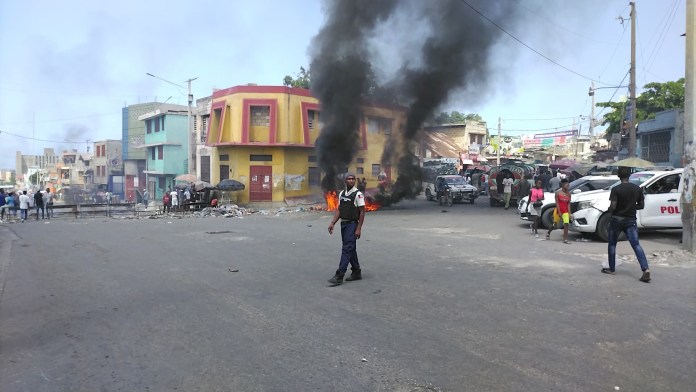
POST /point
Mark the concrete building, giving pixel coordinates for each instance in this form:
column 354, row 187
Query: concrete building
column 661, row 139
column 26, row 165
column 133, row 139
column 264, row 137
column 74, row 171
column 201, row 122
column 166, row 146
column 107, row 161
column 6, row 176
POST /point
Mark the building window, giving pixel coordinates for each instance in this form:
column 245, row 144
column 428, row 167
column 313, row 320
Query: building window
column 314, row 176
column 148, row 126
column 260, row 116
column 224, row 158
column 372, row 125
column 655, row 146
column 203, row 132
column 152, row 154
column 360, row 170
column 360, row 160
column 312, row 158
column 260, row 158
column 160, row 153
column 313, row 119
column 162, row 123
column 375, row 170
column 157, row 124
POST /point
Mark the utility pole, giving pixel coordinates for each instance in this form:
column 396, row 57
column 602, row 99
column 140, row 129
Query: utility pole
column 632, row 120
column 191, row 138
column 592, row 90
column 688, row 198
column 499, row 144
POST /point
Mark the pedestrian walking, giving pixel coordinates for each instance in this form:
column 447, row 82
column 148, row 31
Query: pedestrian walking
column 39, row 205
column 24, row 202
column 625, row 199
column 48, row 202
column 563, row 207
column 507, row 189
column 351, row 212
column 534, row 204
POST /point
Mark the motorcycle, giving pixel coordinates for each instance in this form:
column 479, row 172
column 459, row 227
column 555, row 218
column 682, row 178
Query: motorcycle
column 446, row 197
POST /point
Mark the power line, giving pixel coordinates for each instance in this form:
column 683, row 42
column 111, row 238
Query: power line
column 543, row 129
column 530, row 48
column 538, row 119
column 39, row 140
column 615, row 91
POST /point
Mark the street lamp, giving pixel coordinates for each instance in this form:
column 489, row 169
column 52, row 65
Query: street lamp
column 189, row 138
column 591, row 94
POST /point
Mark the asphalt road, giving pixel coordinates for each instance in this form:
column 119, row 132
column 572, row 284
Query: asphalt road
column 453, row 299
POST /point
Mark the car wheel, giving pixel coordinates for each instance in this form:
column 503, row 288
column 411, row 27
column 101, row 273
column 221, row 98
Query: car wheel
column 547, row 218
column 602, row 231
column 429, row 195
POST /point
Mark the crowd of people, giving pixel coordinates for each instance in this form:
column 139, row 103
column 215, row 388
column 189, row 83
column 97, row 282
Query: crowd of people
column 41, row 201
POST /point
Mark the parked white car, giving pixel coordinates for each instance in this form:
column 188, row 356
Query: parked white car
column 662, row 211
column 583, row 184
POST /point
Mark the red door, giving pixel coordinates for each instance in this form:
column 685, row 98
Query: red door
column 260, row 185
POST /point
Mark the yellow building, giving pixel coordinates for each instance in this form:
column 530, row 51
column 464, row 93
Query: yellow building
column 264, row 137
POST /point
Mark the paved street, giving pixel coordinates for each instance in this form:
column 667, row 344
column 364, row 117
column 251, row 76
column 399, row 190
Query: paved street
column 453, row 299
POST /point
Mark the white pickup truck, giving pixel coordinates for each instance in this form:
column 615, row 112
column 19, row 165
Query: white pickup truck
column 662, row 191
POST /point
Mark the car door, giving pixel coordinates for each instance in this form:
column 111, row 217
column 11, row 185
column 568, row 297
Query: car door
column 662, row 203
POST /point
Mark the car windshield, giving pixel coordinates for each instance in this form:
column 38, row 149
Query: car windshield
column 576, row 184
column 455, row 180
column 639, row 178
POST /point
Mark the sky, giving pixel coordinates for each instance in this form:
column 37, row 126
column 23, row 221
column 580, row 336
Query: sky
column 68, row 68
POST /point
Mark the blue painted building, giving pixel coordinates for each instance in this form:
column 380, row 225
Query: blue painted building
column 661, row 139
column 166, row 144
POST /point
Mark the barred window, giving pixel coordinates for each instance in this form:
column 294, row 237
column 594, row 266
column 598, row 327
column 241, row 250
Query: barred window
column 655, row 146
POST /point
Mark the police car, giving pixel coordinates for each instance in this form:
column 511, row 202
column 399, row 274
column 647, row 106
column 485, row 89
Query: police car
column 662, row 191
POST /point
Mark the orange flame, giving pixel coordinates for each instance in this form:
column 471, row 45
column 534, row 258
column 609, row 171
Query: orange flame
column 332, row 202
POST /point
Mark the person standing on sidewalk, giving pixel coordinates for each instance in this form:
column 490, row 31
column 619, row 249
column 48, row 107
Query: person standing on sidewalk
column 507, row 190
column 24, row 206
column 146, row 198
column 625, row 199
column 39, row 204
column 351, row 212
column 48, row 202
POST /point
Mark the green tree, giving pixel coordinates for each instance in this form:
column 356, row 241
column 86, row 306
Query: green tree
column 34, row 178
column 657, row 97
column 455, row 117
column 302, row 79
column 13, row 178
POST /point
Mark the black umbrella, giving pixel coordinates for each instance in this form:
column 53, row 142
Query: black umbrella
column 230, row 185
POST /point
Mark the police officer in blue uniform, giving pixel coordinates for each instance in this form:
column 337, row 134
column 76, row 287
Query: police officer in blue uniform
column 351, row 212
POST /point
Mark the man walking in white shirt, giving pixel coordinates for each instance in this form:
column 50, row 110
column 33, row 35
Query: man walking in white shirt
column 24, row 206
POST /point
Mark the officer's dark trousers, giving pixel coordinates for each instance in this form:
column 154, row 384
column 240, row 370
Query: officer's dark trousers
column 349, row 253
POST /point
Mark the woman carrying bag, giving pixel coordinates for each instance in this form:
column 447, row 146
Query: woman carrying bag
column 536, row 197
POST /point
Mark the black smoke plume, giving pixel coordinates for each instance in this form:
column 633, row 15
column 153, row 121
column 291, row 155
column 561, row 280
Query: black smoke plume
column 453, row 53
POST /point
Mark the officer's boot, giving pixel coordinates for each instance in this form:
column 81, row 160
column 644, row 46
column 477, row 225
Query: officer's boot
column 355, row 274
column 338, row 278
